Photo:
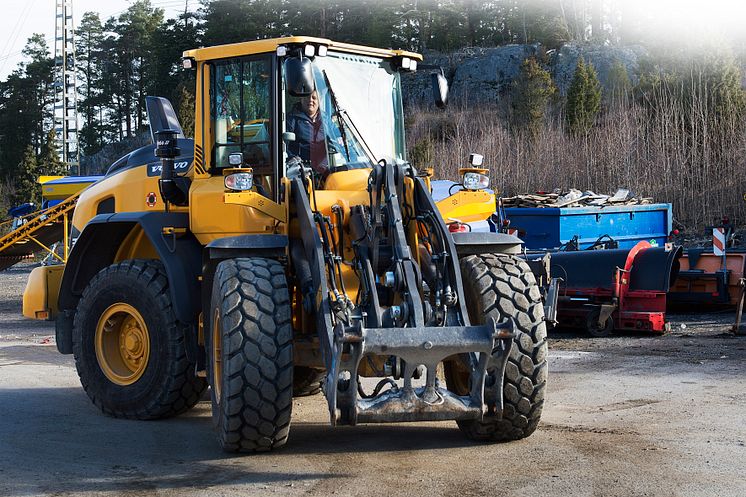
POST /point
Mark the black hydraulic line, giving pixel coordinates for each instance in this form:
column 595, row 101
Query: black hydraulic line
column 360, row 233
column 454, row 185
column 328, row 256
column 335, row 255
column 424, row 203
column 377, row 389
column 439, row 257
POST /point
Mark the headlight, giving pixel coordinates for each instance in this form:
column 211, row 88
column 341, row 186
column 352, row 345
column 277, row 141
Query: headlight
column 239, row 181
column 475, row 181
column 235, row 159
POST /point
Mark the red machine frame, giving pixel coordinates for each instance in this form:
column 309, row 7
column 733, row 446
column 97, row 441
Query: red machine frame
column 629, row 309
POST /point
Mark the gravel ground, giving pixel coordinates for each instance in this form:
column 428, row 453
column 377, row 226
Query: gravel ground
column 625, row 416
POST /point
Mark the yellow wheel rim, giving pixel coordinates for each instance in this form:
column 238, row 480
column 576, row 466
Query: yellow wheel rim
column 217, row 363
column 122, row 344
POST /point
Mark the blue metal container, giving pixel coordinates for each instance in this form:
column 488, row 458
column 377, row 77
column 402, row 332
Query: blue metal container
column 549, row 228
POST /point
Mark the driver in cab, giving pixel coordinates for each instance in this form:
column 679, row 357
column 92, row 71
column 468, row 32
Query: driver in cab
column 310, row 141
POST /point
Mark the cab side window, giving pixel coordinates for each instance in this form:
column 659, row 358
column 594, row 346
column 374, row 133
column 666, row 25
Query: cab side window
column 241, row 112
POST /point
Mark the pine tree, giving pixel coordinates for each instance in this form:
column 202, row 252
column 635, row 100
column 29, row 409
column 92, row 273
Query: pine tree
column 26, row 99
column 592, row 95
column 618, row 86
column 531, row 93
column 576, row 98
column 583, row 99
column 90, row 36
column 132, row 59
column 49, row 163
column 27, row 175
column 186, row 110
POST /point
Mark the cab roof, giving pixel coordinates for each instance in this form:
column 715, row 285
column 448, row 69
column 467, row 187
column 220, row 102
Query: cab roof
column 270, row 45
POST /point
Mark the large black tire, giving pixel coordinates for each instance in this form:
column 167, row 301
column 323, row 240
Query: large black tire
column 307, row 381
column 167, row 384
column 250, row 351
column 503, row 287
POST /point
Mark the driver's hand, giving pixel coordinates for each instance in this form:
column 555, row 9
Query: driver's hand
column 294, row 167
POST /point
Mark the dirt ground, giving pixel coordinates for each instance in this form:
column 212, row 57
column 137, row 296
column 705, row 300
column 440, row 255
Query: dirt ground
column 630, row 415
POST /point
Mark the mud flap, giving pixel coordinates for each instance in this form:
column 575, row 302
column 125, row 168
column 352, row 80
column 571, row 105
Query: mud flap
column 63, row 331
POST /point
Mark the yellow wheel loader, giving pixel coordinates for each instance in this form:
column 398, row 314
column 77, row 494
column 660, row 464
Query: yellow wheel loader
column 269, row 263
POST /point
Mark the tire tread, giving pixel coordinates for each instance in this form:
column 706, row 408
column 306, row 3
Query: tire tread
column 258, row 356
column 505, row 287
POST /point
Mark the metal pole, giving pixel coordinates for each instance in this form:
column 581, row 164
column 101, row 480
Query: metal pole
column 65, row 86
column 737, row 329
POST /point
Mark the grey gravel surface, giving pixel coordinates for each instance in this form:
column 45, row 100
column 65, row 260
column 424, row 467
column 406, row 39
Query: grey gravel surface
column 631, row 415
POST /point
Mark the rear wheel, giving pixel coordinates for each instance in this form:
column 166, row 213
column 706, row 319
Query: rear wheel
column 128, row 346
column 251, row 355
column 307, row 381
column 503, row 287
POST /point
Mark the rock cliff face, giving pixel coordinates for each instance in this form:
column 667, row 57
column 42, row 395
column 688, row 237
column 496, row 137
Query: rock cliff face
column 481, row 75
column 564, row 60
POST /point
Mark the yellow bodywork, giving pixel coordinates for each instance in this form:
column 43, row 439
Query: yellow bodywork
column 467, row 206
column 61, row 191
column 270, row 45
column 42, row 290
column 217, row 214
column 257, row 202
column 129, row 189
column 46, row 179
column 136, row 245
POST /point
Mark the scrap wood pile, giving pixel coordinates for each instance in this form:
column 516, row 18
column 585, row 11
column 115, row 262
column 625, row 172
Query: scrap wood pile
column 575, row 198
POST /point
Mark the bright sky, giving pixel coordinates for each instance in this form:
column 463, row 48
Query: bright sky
column 22, row 18
column 678, row 19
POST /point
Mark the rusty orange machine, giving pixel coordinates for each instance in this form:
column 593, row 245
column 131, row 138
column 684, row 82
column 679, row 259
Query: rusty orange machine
column 709, row 279
column 712, row 275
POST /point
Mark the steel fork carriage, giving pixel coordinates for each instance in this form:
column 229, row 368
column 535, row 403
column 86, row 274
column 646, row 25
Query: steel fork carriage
column 488, row 347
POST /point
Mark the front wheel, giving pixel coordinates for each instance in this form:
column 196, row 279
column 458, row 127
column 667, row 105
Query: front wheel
column 250, row 351
column 503, row 287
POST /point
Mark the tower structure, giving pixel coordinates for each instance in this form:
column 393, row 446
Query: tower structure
column 66, row 98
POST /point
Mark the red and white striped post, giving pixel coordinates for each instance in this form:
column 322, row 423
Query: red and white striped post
column 718, row 241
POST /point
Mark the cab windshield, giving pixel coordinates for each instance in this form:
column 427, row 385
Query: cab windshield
column 354, row 117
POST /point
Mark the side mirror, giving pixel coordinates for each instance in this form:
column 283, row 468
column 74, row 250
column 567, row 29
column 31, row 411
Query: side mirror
column 299, row 76
column 440, row 89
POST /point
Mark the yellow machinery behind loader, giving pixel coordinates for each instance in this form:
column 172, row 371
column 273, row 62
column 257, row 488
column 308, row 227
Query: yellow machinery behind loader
column 267, row 267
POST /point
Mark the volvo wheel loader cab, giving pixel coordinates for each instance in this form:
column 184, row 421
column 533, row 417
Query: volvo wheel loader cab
column 291, row 246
